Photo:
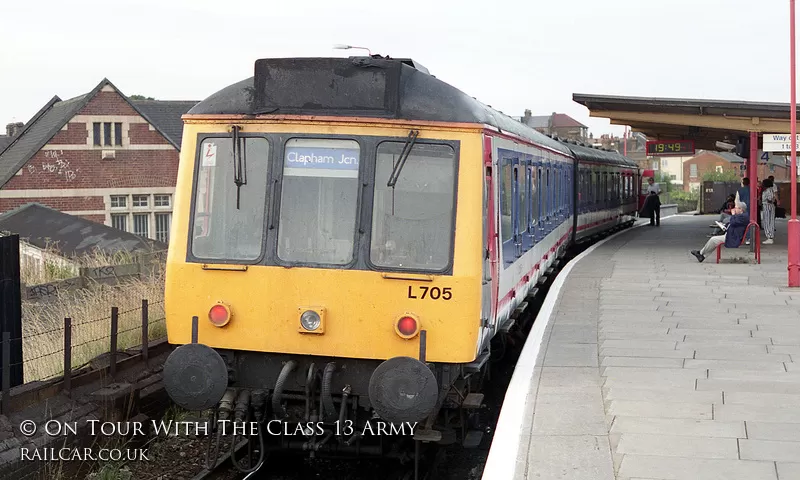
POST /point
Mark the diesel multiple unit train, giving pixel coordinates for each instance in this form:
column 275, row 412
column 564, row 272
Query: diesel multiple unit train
column 350, row 235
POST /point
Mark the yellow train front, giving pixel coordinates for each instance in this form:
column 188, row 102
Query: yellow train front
column 314, row 275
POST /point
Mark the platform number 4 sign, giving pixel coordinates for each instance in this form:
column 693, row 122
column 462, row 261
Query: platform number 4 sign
column 765, row 157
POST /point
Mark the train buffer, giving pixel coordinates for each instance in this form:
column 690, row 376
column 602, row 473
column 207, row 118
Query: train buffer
column 645, row 363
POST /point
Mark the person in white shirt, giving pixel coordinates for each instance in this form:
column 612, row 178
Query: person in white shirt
column 652, row 204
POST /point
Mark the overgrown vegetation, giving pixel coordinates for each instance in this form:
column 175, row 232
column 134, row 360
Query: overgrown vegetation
column 90, row 312
column 729, row 175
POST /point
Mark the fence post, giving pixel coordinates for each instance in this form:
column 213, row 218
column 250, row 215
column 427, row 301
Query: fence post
column 68, row 355
column 145, row 333
column 6, row 373
column 114, row 327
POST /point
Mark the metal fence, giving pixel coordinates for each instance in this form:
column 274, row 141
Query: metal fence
column 61, row 351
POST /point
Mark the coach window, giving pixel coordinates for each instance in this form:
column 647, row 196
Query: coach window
column 318, row 201
column 522, row 204
column 506, row 192
column 413, row 219
column 229, row 218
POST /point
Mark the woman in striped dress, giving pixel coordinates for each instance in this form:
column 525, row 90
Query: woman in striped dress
column 768, row 199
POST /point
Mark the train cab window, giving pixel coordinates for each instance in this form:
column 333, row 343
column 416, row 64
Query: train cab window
column 506, row 195
column 413, row 220
column 228, row 214
column 318, row 201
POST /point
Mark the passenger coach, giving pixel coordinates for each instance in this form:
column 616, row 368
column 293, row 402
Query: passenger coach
column 351, row 234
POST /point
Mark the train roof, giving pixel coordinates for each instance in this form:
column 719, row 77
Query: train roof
column 367, row 87
column 586, row 153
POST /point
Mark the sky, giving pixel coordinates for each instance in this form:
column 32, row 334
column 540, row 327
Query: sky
column 512, row 55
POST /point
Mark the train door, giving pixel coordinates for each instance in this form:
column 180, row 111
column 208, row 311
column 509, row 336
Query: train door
column 507, row 201
column 516, row 204
column 490, row 276
column 542, row 202
column 521, row 212
column 528, row 237
column 548, row 203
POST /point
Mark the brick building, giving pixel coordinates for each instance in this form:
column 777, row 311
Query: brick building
column 707, row 161
column 559, row 124
column 100, row 156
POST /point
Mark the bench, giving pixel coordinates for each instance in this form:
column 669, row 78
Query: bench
column 755, row 239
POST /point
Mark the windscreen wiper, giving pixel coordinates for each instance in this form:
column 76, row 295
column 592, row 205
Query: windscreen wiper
column 239, row 162
column 410, row 141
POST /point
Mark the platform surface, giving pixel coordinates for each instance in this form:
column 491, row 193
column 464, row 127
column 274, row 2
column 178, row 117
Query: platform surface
column 653, row 366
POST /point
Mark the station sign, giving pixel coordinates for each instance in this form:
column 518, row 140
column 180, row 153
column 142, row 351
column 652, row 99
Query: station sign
column 663, row 148
column 779, row 142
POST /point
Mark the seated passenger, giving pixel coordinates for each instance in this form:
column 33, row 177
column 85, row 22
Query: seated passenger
column 725, row 211
column 732, row 237
column 724, row 215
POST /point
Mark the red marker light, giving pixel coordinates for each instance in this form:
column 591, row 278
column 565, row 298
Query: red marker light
column 407, row 326
column 219, row 315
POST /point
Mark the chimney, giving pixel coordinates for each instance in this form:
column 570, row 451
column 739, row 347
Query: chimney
column 13, row 129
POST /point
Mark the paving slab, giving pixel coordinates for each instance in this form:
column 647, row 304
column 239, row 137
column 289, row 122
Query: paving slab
column 583, row 457
column 642, row 352
column 773, row 450
column 788, row 432
column 788, row 471
column 678, row 446
column 679, row 427
column 676, row 468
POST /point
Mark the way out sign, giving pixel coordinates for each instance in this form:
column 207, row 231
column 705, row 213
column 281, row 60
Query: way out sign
column 779, row 142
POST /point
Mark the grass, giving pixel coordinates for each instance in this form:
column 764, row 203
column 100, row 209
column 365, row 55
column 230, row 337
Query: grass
column 90, row 311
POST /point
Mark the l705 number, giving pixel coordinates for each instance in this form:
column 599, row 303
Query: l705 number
column 434, row 293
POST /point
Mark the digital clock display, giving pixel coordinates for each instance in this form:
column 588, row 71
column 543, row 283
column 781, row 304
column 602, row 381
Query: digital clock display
column 674, row 147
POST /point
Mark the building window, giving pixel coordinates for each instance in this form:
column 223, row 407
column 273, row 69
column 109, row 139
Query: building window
column 107, row 134
column 96, row 133
column 120, row 221
column 141, row 224
column 693, row 170
column 119, row 201
column 140, row 200
column 161, row 200
column 673, row 177
column 162, row 227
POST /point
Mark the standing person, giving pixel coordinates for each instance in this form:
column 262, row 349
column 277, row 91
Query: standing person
column 743, row 195
column 774, row 187
column 652, row 204
column 769, row 201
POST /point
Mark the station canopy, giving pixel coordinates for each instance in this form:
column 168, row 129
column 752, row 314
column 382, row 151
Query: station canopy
column 704, row 121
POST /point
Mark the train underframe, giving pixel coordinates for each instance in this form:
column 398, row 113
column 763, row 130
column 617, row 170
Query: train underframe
column 341, row 407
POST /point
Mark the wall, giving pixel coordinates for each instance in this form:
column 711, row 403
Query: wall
column 73, row 175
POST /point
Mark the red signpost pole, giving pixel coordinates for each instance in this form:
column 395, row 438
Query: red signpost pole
column 794, row 224
column 753, row 174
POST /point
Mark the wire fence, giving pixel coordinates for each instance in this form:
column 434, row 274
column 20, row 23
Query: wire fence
column 49, row 353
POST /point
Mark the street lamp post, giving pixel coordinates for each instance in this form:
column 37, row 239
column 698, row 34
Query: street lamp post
column 794, row 225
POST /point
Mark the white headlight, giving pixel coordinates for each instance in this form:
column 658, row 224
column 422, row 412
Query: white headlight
column 310, row 320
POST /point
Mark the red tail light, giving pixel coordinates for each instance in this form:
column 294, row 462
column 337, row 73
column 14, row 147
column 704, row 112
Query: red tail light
column 219, row 315
column 407, row 326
